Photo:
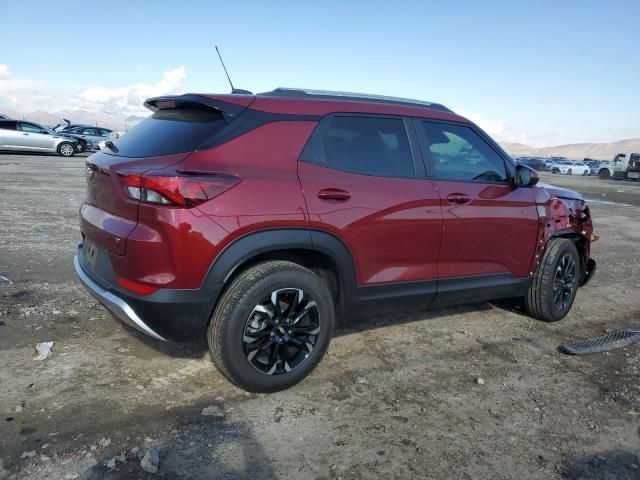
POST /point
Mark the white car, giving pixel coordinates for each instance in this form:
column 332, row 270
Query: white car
column 574, row 168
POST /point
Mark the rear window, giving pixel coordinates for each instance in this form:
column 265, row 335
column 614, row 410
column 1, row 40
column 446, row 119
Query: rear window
column 169, row 131
column 8, row 125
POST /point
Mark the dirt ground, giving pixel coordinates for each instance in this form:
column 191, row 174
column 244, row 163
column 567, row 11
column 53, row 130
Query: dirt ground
column 397, row 395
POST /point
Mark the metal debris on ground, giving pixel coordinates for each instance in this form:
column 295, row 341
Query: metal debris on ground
column 44, row 350
column 5, row 279
column 603, row 343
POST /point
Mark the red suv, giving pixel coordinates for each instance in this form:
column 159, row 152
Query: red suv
column 259, row 219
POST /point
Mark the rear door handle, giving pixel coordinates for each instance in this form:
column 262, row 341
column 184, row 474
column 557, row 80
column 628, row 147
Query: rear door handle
column 458, row 198
column 334, row 194
column 25, row 134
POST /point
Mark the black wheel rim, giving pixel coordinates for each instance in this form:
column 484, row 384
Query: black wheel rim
column 564, row 282
column 281, row 331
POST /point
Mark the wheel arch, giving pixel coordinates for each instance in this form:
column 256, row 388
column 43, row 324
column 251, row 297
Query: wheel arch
column 582, row 244
column 320, row 251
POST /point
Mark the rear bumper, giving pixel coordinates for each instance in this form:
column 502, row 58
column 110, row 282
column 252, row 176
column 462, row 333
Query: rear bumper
column 167, row 314
column 114, row 304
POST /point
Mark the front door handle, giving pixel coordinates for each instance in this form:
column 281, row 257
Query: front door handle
column 334, row 194
column 458, row 198
column 25, row 134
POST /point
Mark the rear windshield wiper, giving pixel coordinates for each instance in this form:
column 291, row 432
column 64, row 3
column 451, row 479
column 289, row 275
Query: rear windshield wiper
column 111, row 146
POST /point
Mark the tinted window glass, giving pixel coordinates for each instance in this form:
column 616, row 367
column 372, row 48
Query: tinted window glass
column 104, row 132
column 368, row 145
column 28, row 127
column 90, row 131
column 169, row 131
column 459, row 153
column 8, row 125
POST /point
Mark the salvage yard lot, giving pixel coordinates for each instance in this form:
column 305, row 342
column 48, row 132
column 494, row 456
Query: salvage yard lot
column 397, row 395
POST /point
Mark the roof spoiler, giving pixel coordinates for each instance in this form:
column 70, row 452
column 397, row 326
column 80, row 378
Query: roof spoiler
column 228, row 110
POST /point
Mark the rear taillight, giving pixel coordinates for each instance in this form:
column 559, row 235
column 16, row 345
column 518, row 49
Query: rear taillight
column 181, row 188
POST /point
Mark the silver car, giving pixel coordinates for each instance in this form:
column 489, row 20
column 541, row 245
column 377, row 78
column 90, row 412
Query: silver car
column 18, row 135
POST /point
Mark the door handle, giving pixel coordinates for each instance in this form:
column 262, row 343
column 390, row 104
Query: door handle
column 334, row 194
column 458, row 199
column 25, row 134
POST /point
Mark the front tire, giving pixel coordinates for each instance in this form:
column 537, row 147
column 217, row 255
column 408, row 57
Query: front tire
column 66, row 149
column 604, row 174
column 585, row 173
column 553, row 290
column 271, row 327
column 569, row 172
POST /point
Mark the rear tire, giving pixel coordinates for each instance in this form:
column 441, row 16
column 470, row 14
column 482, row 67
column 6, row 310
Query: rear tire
column 553, row 290
column 585, row 173
column 247, row 319
column 66, row 149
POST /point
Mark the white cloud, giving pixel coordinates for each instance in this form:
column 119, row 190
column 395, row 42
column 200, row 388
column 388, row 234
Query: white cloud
column 129, row 99
column 496, row 129
column 27, row 95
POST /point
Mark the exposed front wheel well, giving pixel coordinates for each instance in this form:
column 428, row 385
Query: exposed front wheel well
column 583, row 250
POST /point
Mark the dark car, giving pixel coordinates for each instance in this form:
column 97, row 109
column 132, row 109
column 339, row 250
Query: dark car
column 537, row 164
column 90, row 135
column 257, row 220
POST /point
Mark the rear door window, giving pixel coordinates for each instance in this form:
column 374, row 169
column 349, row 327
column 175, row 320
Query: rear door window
column 7, row 125
column 31, row 128
column 170, row 131
column 364, row 145
column 460, row 154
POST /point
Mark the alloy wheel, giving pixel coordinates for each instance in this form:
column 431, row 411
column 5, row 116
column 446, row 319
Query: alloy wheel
column 281, row 331
column 66, row 150
column 564, row 281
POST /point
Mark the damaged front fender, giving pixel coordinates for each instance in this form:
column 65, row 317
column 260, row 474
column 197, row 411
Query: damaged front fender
column 566, row 216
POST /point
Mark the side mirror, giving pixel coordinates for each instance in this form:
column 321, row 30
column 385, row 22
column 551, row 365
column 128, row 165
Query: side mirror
column 525, row 176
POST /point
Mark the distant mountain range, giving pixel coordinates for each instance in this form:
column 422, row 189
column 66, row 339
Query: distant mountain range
column 575, row 151
column 114, row 121
column 117, row 121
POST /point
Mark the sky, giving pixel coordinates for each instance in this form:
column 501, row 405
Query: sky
column 536, row 72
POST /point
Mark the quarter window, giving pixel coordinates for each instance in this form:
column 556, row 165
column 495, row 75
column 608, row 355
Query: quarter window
column 364, row 145
column 28, row 127
column 459, row 153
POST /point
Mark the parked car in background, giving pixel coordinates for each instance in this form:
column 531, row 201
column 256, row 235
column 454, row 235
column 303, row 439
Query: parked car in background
column 81, row 146
column 533, row 162
column 556, row 165
column 91, row 135
column 3, row 116
column 594, row 166
column 574, row 168
column 18, row 135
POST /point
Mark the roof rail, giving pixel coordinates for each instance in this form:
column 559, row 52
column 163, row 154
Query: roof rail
column 364, row 97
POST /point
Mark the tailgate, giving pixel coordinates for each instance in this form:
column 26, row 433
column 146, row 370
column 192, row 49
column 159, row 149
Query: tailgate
column 108, row 216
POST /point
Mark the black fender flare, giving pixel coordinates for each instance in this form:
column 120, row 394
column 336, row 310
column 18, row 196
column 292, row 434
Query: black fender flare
column 253, row 244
